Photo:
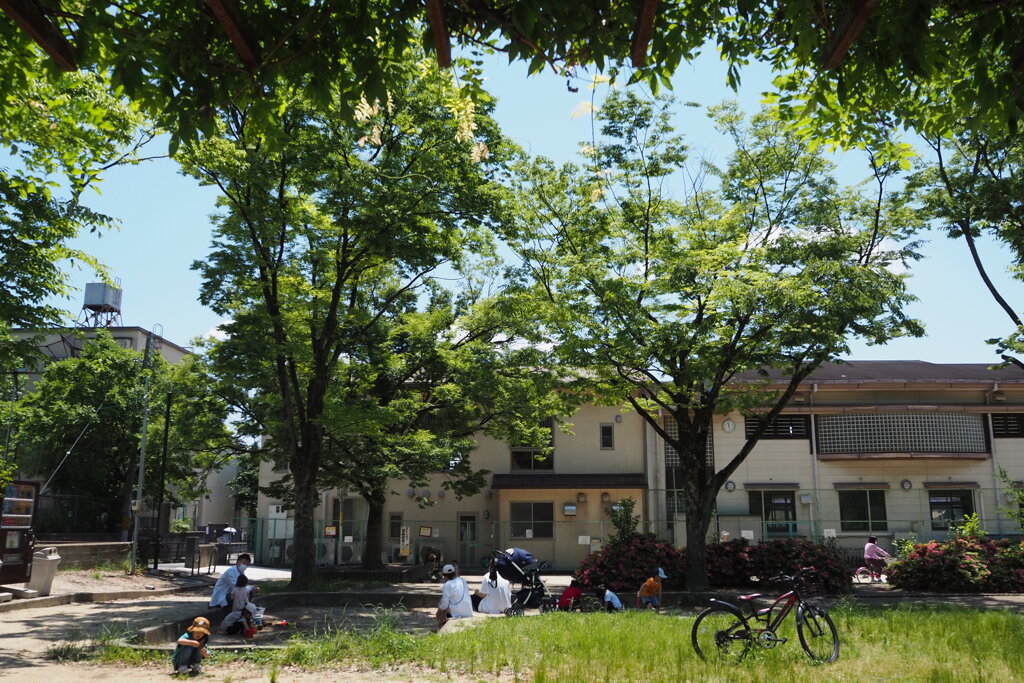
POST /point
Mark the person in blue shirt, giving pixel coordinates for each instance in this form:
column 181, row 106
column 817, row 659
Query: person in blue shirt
column 609, row 599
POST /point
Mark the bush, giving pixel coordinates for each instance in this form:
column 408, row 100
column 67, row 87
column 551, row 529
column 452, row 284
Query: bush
column 962, row 564
column 624, row 565
column 787, row 555
column 728, row 563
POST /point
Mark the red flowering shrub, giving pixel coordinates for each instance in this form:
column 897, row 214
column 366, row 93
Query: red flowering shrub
column 627, row 563
column 728, row 563
column 961, row 564
column 787, row 555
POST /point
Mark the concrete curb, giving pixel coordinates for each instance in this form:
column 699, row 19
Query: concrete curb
column 54, row 600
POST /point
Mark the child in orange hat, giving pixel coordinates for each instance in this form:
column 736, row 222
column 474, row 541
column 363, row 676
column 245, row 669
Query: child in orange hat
column 191, row 648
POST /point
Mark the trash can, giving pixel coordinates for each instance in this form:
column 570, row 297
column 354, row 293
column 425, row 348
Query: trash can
column 44, row 568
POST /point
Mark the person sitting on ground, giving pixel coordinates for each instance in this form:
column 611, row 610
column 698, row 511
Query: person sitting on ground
column 873, row 558
column 239, row 618
column 191, row 648
column 455, row 598
column 650, row 593
column 572, row 597
column 609, row 599
column 495, row 593
column 226, row 582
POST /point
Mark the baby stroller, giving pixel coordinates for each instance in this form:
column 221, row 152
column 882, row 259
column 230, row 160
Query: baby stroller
column 519, row 566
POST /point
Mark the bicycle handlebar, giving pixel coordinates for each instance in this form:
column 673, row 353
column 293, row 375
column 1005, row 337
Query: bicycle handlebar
column 804, row 574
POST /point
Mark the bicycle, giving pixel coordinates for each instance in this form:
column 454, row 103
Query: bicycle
column 726, row 632
column 868, row 575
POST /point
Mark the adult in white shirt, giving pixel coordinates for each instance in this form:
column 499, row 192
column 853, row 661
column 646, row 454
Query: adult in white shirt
column 456, row 602
column 227, row 581
column 495, row 592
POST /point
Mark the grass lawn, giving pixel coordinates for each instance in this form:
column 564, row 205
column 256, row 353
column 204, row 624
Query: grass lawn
column 907, row 643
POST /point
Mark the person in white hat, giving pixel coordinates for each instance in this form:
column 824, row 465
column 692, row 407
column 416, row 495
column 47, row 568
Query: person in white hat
column 650, row 592
column 456, row 602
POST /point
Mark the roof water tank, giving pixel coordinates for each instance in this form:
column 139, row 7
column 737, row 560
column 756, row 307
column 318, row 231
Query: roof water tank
column 102, row 297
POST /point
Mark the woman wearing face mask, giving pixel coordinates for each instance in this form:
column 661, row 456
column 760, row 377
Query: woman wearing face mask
column 227, row 581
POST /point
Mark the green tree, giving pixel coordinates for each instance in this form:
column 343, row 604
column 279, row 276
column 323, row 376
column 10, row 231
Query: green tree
column 849, row 64
column 427, row 382
column 79, row 431
column 59, row 138
column 327, row 225
column 663, row 303
column 973, row 189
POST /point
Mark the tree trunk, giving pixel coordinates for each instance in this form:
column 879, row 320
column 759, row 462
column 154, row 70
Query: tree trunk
column 698, row 518
column 303, row 551
column 374, row 532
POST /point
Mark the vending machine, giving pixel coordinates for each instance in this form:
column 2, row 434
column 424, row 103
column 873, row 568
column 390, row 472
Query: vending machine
column 16, row 525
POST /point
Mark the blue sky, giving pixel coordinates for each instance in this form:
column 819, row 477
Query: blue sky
column 165, row 221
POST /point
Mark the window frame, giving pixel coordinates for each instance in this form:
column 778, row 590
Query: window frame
column 518, row 525
column 782, row 428
column 871, row 515
column 392, row 517
column 772, row 526
column 610, row 433
column 965, row 495
column 519, row 455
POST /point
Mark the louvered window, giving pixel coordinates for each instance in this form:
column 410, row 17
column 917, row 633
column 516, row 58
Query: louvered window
column 1008, row 425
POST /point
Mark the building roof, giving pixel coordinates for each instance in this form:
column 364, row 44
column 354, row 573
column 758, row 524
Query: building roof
column 902, row 372
column 569, row 481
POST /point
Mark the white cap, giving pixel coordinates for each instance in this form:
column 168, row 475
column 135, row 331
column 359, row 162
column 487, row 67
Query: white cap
column 662, row 574
column 448, row 569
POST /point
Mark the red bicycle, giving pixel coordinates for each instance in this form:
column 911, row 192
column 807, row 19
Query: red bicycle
column 726, row 632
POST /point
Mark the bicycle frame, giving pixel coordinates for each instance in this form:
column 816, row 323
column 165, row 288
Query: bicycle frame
column 781, row 607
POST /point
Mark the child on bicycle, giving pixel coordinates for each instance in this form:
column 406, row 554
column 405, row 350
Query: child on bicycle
column 874, row 559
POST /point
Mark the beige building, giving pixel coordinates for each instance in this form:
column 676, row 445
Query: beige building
column 883, row 448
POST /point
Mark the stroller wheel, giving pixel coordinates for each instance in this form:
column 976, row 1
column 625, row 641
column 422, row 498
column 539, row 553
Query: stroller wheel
column 515, row 611
column 547, row 604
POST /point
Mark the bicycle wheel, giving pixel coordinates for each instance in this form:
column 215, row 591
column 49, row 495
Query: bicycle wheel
column 818, row 634
column 862, row 575
column 719, row 635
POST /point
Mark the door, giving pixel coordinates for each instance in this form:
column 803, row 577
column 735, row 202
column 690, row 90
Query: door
column 469, row 550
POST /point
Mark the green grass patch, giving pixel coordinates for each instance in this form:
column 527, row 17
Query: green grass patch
column 907, row 643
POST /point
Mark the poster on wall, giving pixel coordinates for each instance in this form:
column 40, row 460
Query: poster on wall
column 404, row 542
column 426, row 531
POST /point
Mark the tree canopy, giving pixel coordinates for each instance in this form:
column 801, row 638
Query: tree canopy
column 854, row 64
column 322, row 238
column 674, row 297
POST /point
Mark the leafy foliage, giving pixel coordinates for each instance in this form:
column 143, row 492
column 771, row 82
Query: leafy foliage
column 623, row 519
column 627, row 562
column 59, row 137
column 787, row 556
column 79, row 430
column 333, row 227
column 962, row 564
column 681, row 300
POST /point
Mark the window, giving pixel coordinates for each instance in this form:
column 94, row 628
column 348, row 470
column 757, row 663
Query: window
column 532, row 458
column 674, row 501
column 948, row 506
column 607, row 436
column 777, row 509
column 395, row 525
column 901, row 433
column 1008, row 425
column 532, row 520
column 862, row 510
column 784, row 427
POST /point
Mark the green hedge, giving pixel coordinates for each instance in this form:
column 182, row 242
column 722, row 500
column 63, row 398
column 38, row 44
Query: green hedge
column 623, row 566
column 965, row 565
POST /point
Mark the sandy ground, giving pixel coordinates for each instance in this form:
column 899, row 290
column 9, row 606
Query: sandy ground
column 27, row 635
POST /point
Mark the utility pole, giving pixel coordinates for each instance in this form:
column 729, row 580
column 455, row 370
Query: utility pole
column 137, row 504
column 163, row 478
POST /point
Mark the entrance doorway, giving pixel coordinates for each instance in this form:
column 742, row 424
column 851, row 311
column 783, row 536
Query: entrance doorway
column 469, row 546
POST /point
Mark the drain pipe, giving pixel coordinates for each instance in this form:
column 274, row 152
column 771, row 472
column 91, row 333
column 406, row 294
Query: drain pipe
column 814, row 458
column 995, row 465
